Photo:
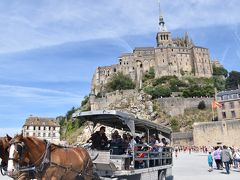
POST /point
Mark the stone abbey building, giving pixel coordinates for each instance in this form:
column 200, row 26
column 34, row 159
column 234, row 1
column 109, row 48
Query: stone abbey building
column 171, row 56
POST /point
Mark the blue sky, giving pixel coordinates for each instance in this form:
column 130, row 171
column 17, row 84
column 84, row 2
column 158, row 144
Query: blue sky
column 50, row 49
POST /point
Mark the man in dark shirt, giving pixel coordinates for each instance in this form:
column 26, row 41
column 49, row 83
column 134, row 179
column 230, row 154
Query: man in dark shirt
column 99, row 139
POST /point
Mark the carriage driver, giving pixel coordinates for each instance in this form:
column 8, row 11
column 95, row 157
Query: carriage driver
column 99, row 139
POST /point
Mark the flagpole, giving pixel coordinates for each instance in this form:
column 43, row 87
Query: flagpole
column 212, row 113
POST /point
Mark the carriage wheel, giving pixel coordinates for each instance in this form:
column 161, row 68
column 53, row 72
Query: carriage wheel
column 162, row 175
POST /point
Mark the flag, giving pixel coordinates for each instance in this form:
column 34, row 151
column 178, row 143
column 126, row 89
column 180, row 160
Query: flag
column 216, row 104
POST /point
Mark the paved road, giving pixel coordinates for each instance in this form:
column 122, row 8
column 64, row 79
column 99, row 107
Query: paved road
column 193, row 167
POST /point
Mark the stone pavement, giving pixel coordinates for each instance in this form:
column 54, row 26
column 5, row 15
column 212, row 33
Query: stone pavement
column 195, row 167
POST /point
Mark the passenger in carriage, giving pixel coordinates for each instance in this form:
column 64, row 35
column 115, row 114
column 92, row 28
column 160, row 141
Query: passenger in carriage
column 125, row 143
column 99, row 139
column 116, row 144
column 144, row 147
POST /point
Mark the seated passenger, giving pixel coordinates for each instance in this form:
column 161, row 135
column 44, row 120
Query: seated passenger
column 116, row 143
column 125, row 143
column 99, row 139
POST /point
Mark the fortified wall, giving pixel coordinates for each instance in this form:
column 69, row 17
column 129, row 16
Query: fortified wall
column 174, row 106
column 217, row 133
column 138, row 103
column 182, row 138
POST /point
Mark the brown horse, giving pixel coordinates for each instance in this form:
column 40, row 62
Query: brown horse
column 51, row 162
column 4, row 145
column 4, row 154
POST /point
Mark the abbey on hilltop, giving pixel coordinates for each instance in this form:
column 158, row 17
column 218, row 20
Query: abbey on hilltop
column 172, row 56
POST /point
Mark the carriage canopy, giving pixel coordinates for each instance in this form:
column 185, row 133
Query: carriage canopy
column 124, row 121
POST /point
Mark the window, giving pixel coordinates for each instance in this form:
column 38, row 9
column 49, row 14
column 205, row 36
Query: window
column 224, row 115
column 27, row 134
column 49, row 135
column 223, row 106
column 225, row 97
column 234, row 96
column 233, row 114
column 39, row 134
column 44, row 134
column 54, row 135
column 231, row 105
column 34, row 134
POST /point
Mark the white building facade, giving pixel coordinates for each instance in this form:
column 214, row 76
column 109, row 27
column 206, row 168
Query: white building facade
column 43, row 128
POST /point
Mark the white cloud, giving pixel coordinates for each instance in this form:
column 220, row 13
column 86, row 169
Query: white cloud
column 33, row 24
column 47, row 96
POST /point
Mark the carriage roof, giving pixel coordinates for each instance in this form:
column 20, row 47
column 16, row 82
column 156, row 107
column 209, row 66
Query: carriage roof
column 122, row 120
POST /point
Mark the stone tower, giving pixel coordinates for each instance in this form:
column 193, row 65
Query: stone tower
column 163, row 36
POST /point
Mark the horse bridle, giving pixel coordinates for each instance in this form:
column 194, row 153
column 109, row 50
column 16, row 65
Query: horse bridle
column 20, row 150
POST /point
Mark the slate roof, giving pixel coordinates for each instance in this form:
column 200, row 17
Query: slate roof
column 41, row 121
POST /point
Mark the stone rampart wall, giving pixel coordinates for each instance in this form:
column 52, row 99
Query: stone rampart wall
column 173, row 105
column 177, row 105
column 214, row 133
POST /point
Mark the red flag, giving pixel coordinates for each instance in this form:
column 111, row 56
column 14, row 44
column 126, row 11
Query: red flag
column 216, row 104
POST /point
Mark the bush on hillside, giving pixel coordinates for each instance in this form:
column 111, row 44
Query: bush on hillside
column 174, row 125
column 149, row 75
column 158, row 92
column 220, row 71
column 201, row 105
column 233, row 80
column 119, row 82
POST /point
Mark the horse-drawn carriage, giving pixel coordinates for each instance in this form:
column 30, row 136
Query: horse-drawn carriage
column 111, row 166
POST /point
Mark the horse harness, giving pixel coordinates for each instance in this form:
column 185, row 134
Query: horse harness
column 45, row 162
column 3, row 165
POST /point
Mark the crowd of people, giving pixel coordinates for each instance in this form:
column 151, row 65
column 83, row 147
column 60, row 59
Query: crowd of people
column 125, row 144
column 222, row 156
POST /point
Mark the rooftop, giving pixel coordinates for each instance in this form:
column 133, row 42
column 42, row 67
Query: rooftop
column 236, row 91
column 41, row 121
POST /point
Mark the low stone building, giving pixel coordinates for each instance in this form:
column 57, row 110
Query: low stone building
column 182, row 138
column 43, row 128
column 230, row 101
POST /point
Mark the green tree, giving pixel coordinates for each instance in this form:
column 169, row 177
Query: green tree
column 202, row 105
column 70, row 112
column 218, row 71
column 174, row 125
column 85, row 101
column 233, row 80
column 119, row 82
column 149, row 75
column 158, row 91
column 219, row 83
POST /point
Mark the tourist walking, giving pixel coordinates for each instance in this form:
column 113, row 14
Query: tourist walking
column 210, row 162
column 226, row 158
column 236, row 158
column 217, row 157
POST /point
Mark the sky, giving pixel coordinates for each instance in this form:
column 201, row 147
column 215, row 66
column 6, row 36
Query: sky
column 49, row 50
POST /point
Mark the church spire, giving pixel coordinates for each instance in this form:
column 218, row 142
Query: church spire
column 162, row 26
